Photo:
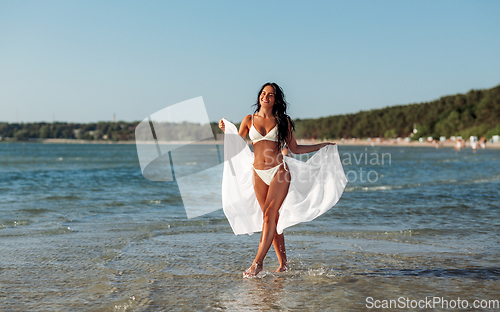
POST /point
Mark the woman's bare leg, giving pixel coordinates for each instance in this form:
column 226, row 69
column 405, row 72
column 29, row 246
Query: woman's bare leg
column 279, row 247
column 276, row 195
column 261, row 191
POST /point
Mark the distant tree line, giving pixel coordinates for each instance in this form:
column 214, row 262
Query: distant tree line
column 113, row 131
column 475, row 113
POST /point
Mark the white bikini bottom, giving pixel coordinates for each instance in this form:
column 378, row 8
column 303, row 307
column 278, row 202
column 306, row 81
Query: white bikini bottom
column 267, row 175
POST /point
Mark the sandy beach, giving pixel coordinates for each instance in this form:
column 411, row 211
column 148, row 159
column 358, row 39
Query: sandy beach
column 350, row 142
column 364, row 142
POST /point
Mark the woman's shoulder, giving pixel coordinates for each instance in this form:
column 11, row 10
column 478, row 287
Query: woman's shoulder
column 247, row 119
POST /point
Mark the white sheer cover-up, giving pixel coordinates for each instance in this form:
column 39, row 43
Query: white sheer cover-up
column 316, row 186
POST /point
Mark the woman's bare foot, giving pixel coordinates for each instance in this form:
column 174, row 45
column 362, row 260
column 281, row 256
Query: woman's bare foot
column 253, row 270
column 282, row 268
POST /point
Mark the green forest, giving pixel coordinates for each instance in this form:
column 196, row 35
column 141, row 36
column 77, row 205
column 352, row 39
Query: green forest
column 474, row 113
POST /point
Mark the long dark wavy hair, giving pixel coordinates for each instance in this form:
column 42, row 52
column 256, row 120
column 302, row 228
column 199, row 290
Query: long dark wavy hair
column 283, row 121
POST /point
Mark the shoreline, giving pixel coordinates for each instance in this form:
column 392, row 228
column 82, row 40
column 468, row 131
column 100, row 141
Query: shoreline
column 357, row 142
column 402, row 143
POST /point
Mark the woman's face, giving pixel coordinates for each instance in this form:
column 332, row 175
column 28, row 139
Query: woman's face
column 266, row 98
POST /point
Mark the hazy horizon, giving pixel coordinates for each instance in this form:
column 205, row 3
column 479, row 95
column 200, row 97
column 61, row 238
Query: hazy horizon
column 212, row 121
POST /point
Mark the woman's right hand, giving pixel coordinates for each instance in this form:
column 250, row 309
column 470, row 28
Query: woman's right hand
column 222, row 126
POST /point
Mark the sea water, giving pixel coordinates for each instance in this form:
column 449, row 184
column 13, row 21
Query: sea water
column 82, row 230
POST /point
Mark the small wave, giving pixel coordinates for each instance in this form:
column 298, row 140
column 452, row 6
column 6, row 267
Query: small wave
column 465, row 182
column 132, row 303
column 409, row 232
column 57, row 197
column 349, row 275
column 317, row 272
column 16, row 223
column 415, row 185
column 448, row 160
column 482, row 180
column 114, row 204
column 61, row 230
column 171, row 200
column 482, row 273
column 380, row 187
column 35, row 211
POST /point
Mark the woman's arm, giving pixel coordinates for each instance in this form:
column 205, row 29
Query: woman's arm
column 244, row 126
column 304, row 149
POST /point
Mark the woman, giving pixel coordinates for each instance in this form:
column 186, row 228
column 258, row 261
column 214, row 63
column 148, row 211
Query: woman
column 270, row 129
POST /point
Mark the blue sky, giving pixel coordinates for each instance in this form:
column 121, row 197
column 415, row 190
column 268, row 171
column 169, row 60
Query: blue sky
column 83, row 61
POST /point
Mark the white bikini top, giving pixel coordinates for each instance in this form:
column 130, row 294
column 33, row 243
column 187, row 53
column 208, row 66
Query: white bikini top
column 255, row 135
